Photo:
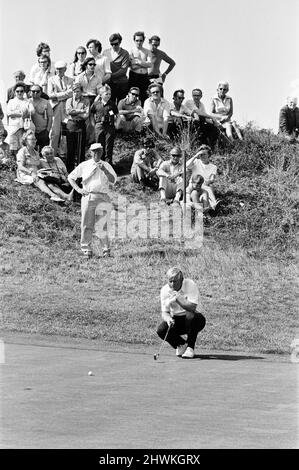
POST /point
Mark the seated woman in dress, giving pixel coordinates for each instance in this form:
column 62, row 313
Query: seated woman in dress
column 53, row 168
column 76, row 66
column 200, row 164
column 222, row 110
column 28, row 165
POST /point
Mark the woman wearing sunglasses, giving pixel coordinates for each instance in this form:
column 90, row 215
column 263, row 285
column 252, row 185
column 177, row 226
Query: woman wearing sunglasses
column 222, row 107
column 76, row 65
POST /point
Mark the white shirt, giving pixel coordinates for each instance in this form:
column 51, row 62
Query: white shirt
column 204, row 169
column 193, row 107
column 189, row 290
column 161, row 110
column 94, row 179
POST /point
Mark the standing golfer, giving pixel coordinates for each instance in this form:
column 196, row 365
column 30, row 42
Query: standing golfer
column 96, row 176
column 179, row 300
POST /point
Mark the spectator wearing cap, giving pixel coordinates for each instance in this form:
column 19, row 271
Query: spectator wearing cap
column 42, row 117
column 4, row 148
column 289, row 120
column 102, row 68
column 119, row 61
column 131, row 114
column 145, row 165
column 104, row 113
column 170, row 175
column 158, row 56
column 97, row 177
column 19, row 76
column 157, row 111
column 140, row 63
column 77, row 110
column 59, row 90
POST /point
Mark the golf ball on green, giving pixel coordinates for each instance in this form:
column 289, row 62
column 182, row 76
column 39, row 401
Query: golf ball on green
column 90, row 372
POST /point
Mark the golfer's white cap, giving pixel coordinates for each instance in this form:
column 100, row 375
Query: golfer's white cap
column 60, row 64
column 95, row 146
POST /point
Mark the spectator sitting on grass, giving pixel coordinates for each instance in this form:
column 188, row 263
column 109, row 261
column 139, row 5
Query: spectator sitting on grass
column 131, row 115
column 200, row 165
column 157, row 111
column 29, row 163
column 196, row 195
column 53, row 167
column 289, row 120
column 145, row 165
column 222, row 109
column 4, row 148
column 170, row 177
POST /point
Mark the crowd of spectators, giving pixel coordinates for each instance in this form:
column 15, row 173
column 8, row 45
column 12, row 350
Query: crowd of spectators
column 64, row 108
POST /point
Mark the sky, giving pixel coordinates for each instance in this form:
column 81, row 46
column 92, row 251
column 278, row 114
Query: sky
column 252, row 44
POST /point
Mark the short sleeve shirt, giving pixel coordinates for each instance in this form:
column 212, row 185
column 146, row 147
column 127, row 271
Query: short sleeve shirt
column 189, row 290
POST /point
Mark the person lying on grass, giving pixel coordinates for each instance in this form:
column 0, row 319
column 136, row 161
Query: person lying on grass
column 179, row 309
column 28, row 165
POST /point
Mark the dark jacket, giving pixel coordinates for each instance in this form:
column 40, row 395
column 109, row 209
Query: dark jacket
column 288, row 120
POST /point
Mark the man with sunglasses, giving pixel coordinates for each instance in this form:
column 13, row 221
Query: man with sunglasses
column 157, row 111
column 179, row 115
column 42, row 117
column 131, row 115
column 119, row 61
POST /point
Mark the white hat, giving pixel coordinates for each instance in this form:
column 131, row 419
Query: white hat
column 95, row 146
column 60, row 64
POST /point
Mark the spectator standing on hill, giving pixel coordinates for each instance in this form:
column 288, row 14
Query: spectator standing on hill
column 89, row 81
column 18, row 109
column 170, row 174
column 119, row 61
column 131, row 114
column 102, row 68
column 96, row 176
column 79, row 58
column 104, row 113
column 145, row 165
column 77, row 111
column 140, row 63
column 180, row 315
column 19, row 76
column 41, row 75
column 43, row 49
column 289, row 120
column 200, row 165
column 59, row 90
column 42, row 117
column 157, row 111
column 158, row 56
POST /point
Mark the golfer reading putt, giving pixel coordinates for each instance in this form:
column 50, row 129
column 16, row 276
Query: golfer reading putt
column 179, row 300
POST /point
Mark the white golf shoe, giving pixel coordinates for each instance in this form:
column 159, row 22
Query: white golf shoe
column 188, row 354
column 181, row 349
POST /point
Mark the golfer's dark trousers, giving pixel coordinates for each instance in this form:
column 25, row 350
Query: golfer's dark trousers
column 190, row 324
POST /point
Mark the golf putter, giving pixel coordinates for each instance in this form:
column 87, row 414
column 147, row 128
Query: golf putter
column 161, row 347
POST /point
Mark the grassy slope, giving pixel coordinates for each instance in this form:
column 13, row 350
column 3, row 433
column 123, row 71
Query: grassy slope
column 249, row 301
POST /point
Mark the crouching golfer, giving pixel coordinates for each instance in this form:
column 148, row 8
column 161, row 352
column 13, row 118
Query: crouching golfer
column 179, row 300
column 96, row 176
